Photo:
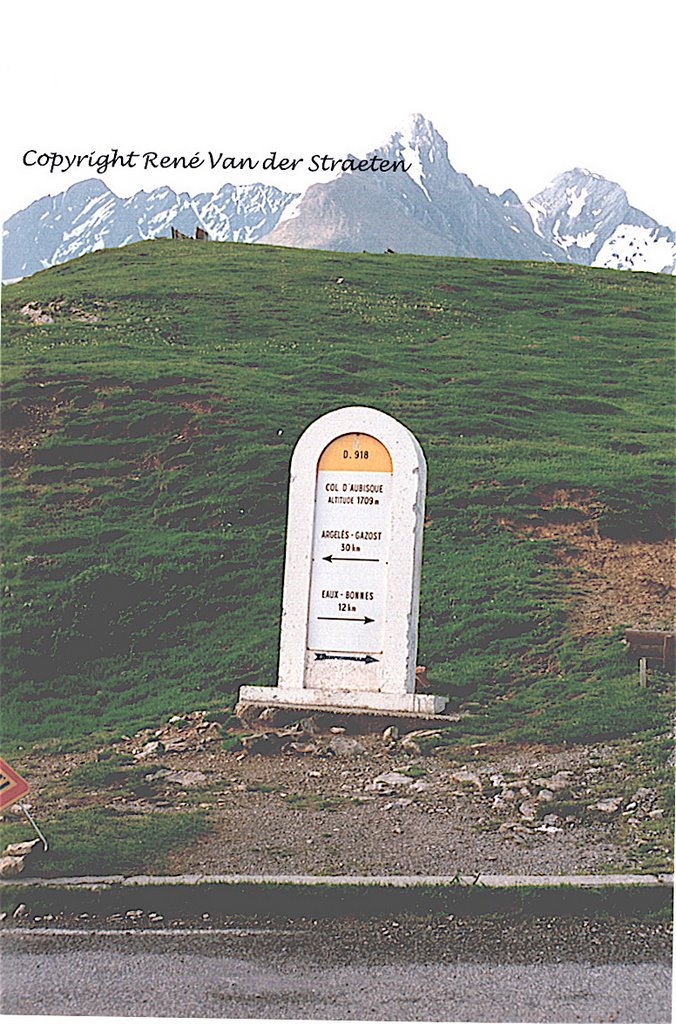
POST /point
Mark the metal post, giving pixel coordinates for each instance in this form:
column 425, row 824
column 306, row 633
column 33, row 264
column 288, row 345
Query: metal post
column 45, row 844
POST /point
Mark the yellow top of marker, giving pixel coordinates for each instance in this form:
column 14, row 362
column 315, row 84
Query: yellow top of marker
column 356, row 453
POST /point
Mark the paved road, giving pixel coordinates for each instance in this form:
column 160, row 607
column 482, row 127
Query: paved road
column 410, row 970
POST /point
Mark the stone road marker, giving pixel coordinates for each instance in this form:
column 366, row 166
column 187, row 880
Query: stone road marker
column 352, row 572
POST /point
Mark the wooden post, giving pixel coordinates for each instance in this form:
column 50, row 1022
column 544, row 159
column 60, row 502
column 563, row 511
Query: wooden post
column 656, row 646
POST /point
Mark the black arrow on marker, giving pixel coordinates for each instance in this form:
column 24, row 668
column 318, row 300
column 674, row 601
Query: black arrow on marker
column 344, row 657
column 342, row 618
column 339, row 558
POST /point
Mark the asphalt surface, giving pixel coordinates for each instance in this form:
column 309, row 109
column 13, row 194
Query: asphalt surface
column 395, row 969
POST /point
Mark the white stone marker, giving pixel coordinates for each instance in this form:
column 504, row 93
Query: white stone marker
column 352, row 573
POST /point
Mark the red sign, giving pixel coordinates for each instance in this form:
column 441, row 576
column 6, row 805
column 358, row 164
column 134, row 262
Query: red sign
column 12, row 786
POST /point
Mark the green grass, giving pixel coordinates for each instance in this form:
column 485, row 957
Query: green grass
column 316, row 802
column 145, row 486
column 118, row 772
column 101, row 840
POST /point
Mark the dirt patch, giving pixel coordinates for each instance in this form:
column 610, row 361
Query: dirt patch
column 612, row 583
column 376, row 808
column 51, row 311
column 35, row 410
column 28, row 421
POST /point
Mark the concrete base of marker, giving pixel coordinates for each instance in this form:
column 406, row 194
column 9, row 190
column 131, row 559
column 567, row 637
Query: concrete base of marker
column 342, row 700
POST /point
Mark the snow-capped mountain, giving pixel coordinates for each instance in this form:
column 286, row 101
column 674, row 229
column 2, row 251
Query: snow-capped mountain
column 423, row 206
column 428, row 208
column 89, row 216
column 591, row 219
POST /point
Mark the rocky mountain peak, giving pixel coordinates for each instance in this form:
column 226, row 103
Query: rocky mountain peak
column 423, row 150
column 510, row 198
column 591, row 219
column 418, row 133
column 579, row 189
column 426, row 207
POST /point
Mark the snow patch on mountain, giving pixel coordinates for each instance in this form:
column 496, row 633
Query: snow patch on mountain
column 427, row 208
column 291, row 210
column 413, row 162
column 582, row 241
column 537, row 214
column 88, row 216
column 632, row 247
column 591, row 219
column 577, row 201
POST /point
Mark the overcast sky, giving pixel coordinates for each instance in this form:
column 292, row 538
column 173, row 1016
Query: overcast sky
column 521, row 90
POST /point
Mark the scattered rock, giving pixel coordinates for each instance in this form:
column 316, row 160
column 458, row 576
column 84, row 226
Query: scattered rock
column 149, row 750
column 39, row 315
column 177, row 746
column 644, row 799
column 421, row 786
column 10, row 867
column 466, row 776
column 301, row 748
column 18, row 809
column 263, row 743
column 13, row 857
column 36, row 314
column 346, row 746
column 387, row 782
column 557, row 782
column 268, row 715
column 181, row 733
column 515, row 827
column 414, row 742
column 20, row 849
column 179, row 778
column 294, row 740
column 610, row 806
column 528, row 809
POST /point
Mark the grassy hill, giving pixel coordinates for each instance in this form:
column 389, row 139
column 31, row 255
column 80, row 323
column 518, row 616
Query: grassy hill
column 153, row 395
